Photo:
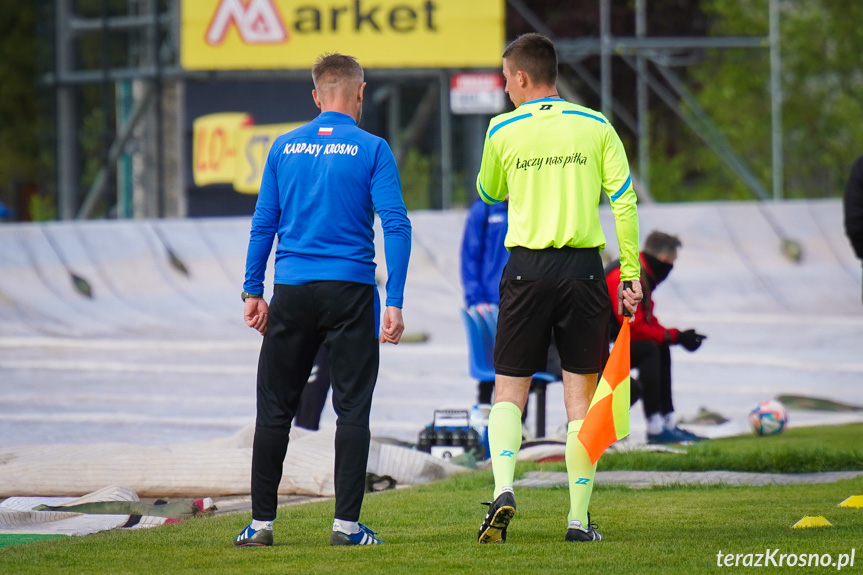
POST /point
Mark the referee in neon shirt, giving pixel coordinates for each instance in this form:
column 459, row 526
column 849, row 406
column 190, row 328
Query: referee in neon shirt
column 553, row 159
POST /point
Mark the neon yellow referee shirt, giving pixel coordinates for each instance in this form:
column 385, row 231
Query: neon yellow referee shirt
column 554, row 159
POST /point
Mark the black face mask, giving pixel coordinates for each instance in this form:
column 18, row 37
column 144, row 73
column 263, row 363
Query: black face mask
column 659, row 269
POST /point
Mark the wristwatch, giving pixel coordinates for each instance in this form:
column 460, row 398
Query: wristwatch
column 246, row 295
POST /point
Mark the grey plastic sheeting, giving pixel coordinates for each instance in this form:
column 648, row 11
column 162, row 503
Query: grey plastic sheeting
column 158, row 356
column 135, row 289
column 731, row 262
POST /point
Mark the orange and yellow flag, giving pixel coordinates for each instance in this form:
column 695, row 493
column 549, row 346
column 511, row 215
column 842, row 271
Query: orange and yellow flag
column 607, row 418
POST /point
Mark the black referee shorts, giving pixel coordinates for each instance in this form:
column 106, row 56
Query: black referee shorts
column 560, row 290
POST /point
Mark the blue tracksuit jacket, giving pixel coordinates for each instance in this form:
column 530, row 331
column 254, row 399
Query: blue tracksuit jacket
column 483, row 255
column 322, row 185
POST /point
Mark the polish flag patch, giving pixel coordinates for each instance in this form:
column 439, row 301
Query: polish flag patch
column 325, row 131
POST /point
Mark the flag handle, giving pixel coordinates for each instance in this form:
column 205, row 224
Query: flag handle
column 627, row 284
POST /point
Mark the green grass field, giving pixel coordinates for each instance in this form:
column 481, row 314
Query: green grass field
column 800, row 450
column 432, row 528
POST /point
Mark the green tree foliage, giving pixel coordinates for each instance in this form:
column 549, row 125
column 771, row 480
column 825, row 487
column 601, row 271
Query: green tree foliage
column 19, row 149
column 822, row 83
column 415, row 174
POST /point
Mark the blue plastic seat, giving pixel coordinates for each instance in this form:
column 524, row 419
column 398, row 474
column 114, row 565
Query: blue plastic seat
column 482, row 315
column 479, row 366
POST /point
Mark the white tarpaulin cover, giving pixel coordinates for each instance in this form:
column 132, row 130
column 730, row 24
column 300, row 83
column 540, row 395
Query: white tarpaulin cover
column 212, row 468
column 17, row 515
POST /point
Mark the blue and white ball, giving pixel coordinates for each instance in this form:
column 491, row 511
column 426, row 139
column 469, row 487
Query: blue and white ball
column 768, row 418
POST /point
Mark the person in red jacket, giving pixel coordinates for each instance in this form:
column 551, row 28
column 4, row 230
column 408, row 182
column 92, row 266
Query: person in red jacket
column 651, row 341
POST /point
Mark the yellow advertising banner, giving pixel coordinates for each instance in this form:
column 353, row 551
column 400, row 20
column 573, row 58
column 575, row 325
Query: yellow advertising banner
column 289, row 34
column 228, row 149
column 253, row 145
column 213, row 148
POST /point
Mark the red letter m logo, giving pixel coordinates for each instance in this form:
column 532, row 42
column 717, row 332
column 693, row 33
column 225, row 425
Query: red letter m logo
column 257, row 21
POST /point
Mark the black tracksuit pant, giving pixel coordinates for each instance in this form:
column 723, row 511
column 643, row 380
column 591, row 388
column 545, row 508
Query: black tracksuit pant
column 343, row 317
column 653, row 361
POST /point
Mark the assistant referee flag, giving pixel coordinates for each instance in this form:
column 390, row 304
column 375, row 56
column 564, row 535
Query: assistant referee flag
column 607, row 419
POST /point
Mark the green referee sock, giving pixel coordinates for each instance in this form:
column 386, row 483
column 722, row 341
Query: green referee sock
column 504, row 441
column 581, row 473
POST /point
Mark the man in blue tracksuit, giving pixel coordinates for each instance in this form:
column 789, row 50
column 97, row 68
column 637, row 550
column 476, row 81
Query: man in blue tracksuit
column 483, row 257
column 321, row 187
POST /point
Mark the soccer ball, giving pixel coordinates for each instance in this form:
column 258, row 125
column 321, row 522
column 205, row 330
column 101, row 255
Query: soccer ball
column 768, row 418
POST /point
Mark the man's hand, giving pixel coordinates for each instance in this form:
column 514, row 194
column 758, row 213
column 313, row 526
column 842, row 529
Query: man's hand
column 255, row 313
column 393, row 326
column 690, row 340
column 630, row 298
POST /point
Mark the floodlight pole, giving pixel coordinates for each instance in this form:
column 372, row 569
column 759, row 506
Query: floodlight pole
column 67, row 141
column 155, row 54
column 605, row 55
column 642, row 95
column 776, row 100
column 394, row 105
column 446, row 163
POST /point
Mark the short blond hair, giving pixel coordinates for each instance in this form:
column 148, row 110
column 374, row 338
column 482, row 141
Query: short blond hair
column 333, row 69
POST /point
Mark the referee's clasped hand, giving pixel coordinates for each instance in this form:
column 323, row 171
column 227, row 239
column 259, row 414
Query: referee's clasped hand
column 630, row 298
column 255, row 313
column 393, row 325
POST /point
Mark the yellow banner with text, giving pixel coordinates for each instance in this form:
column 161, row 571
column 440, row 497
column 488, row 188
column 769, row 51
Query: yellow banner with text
column 228, row 149
column 287, row 34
